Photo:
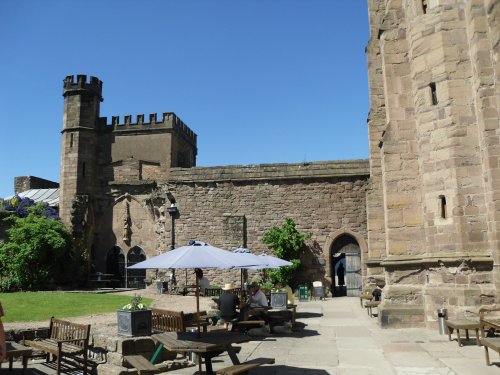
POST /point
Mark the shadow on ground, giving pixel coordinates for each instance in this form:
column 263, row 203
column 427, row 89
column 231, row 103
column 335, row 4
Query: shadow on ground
column 307, row 315
column 289, row 370
column 282, row 370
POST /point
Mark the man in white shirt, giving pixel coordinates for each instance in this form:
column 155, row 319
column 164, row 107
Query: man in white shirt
column 257, row 297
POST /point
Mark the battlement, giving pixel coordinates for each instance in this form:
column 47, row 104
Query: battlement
column 72, row 85
column 168, row 120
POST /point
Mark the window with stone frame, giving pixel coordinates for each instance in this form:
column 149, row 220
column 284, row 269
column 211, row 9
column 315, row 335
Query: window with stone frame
column 442, row 207
column 424, row 6
column 434, row 98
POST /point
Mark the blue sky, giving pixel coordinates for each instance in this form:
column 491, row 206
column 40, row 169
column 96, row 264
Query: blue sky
column 259, row 81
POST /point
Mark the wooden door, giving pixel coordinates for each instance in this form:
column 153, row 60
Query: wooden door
column 353, row 269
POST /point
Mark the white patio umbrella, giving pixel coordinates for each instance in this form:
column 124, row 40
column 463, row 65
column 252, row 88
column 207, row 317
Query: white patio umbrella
column 247, row 255
column 196, row 255
column 270, row 262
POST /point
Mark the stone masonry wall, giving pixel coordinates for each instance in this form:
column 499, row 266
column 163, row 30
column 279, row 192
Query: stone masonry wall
column 439, row 158
column 231, row 207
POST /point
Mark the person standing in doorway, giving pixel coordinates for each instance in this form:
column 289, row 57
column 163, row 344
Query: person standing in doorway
column 341, row 274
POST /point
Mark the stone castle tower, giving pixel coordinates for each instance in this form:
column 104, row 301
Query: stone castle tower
column 103, row 164
column 434, row 208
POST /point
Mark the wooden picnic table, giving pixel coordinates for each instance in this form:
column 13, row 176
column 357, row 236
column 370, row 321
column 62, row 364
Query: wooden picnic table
column 17, row 350
column 208, row 344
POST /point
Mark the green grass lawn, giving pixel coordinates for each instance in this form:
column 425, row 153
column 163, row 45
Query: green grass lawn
column 36, row 306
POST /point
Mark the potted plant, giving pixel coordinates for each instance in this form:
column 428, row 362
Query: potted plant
column 134, row 319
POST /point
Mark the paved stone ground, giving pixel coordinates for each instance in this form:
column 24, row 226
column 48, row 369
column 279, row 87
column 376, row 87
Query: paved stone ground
column 340, row 338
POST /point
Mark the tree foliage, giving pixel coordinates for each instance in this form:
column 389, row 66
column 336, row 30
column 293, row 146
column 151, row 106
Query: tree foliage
column 286, row 243
column 38, row 252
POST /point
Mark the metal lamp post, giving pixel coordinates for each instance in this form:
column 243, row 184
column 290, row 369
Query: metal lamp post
column 173, row 211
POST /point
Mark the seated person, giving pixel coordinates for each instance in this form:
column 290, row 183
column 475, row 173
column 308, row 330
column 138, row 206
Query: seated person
column 257, row 296
column 289, row 292
column 202, row 280
column 227, row 304
column 377, row 293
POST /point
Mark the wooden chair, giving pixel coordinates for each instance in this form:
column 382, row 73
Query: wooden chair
column 486, row 321
column 370, row 305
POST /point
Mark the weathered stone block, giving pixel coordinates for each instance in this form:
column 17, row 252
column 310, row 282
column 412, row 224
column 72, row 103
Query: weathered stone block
column 126, row 346
column 111, row 369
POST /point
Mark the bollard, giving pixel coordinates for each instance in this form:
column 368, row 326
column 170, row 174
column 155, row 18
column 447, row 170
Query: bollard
column 442, row 316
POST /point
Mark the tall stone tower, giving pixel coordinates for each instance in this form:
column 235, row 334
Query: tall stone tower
column 79, row 148
column 110, row 173
column 433, row 210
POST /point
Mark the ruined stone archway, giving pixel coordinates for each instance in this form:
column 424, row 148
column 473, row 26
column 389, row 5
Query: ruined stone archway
column 115, row 266
column 135, row 277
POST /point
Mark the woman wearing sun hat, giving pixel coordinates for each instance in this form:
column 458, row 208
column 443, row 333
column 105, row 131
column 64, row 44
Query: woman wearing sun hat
column 228, row 302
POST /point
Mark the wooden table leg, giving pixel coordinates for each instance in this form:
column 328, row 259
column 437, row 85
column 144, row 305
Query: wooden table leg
column 25, row 363
column 208, row 361
column 232, row 354
column 458, row 337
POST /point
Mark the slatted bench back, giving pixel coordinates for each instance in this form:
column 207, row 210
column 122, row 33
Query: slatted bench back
column 168, row 320
column 64, row 330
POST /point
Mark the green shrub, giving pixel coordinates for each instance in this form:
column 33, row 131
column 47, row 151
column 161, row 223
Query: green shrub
column 286, row 243
column 38, row 253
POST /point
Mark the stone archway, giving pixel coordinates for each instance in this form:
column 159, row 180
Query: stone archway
column 135, row 277
column 345, row 248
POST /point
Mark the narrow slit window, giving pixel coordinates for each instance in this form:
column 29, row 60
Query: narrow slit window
column 434, row 97
column 83, row 169
column 71, row 140
column 442, row 206
column 424, row 6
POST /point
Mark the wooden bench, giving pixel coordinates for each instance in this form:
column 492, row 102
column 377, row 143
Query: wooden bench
column 370, row 305
column 175, row 321
column 65, row 339
column 462, row 324
column 245, row 366
column 488, row 322
column 141, row 364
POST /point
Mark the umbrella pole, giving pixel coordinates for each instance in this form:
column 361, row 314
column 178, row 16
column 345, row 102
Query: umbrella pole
column 197, row 306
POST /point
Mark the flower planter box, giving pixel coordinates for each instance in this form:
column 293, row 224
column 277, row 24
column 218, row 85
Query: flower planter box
column 134, row 323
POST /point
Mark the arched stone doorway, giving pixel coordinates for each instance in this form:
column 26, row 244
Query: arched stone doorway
column 135, row 278
column 115, row 265
column 345, row 253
